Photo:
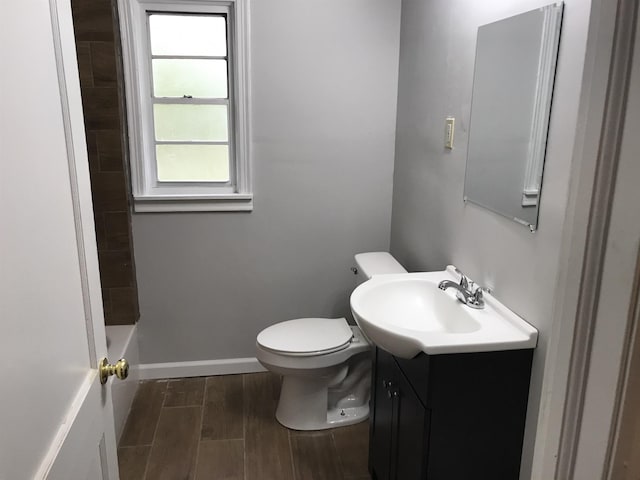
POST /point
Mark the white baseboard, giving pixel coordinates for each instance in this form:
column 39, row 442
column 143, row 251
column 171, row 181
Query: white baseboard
column 202, row 368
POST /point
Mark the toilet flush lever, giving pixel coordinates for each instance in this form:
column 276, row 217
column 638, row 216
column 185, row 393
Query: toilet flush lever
column 354, row 270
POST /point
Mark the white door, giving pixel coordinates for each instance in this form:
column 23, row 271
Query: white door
column 56, row 420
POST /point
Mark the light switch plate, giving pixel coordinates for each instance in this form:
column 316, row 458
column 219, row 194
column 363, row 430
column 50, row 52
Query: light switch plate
column 450, row 124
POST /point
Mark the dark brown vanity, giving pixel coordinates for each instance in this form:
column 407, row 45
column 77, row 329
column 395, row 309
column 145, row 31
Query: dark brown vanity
column 448, row 417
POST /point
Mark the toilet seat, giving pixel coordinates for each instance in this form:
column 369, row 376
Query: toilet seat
column 306, row 336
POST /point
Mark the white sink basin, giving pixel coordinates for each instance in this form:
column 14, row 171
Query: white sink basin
column 407, row 313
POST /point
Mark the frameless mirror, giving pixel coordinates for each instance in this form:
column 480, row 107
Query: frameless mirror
column 512, row 90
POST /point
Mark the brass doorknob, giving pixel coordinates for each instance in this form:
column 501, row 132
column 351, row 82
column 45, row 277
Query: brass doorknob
column 120, row 369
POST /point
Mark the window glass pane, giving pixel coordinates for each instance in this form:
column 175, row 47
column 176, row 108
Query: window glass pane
column 195, row 163
column 191, row 122
column 188, row 35
column 197, row 78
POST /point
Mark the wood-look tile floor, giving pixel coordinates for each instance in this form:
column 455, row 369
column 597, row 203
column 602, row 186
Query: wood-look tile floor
column 224, row 427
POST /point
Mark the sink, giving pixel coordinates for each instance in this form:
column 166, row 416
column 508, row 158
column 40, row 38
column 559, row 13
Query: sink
column 407, row 313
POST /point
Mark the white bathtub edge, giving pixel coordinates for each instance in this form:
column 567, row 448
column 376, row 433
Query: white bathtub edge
column 124, row 344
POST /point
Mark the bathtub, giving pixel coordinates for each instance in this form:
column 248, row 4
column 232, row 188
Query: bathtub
column 122, row 342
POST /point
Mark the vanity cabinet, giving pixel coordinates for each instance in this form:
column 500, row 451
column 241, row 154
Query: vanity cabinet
column 398, row 425
column 448, row 417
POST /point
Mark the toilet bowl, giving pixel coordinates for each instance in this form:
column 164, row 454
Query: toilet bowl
column 325, row 363
column 327, row 385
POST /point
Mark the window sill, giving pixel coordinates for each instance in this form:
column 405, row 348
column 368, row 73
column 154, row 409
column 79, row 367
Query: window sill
column 236, row 202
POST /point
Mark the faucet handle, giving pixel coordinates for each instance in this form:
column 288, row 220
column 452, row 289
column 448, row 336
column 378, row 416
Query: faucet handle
column 478, row 295
column 464, row 281
column 476, row 300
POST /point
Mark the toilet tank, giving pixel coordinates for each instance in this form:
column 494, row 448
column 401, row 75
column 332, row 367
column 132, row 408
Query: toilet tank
column 376, row 263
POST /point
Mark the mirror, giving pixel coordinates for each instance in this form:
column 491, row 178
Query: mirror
column 512, row 90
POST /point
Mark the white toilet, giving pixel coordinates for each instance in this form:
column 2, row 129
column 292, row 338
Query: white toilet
column 325, row 363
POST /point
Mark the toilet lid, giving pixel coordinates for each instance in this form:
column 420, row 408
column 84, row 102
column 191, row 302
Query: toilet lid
column 306, row 336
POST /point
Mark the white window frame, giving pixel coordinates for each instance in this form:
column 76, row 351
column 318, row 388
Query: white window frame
column 150, row 195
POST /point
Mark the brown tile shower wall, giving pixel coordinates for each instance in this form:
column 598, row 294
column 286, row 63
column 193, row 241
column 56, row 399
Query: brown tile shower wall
column 99, row 62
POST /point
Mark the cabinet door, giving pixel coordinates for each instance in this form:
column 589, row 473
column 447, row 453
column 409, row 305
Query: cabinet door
column 411, row 432
column 382, row 416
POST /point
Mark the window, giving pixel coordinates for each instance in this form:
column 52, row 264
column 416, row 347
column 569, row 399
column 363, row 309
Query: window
column 185, row 68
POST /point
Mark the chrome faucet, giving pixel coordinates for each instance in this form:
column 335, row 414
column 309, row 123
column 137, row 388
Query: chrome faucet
column 472, row 297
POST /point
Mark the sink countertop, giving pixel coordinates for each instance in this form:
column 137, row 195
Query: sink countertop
column 407, row 313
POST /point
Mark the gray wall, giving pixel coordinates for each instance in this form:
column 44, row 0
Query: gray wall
column 431, row 226
column 324, row 87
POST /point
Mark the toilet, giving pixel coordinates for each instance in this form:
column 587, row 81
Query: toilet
column 325, row 363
